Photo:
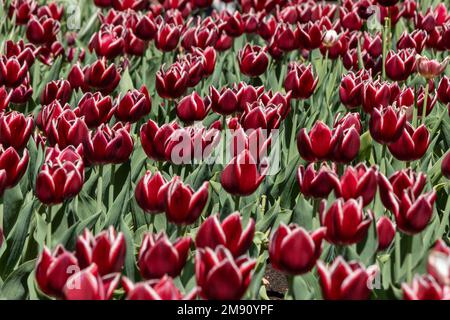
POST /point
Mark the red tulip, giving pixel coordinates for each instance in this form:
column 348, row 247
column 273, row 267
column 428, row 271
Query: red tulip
column 3, row 178
column 386, row 125
column 351, row 89
column 22, row 10
column 309, row 35
column 161, row 289
column 253, row 60
column 317, row 184
column 53, row 270
column 209, row 59
column 438, row 264
column 76, row 78
column 300, row 81
column 71, row 154
column 412, row 144
column 195, row 66
column 150, row 192
column 12, row 72
column 345, row 221
column 277, row 98
column 146, row 27
column 429, row 68
column 318, row 144
column 334, row 45
column 154, row 138
column 220, row 276
column 21, row 94
column 107, row 250
column 67, row 130
column 134, row 105
column 233, row 24
column 42, row 31
column 285, row 38
column 346, row 281
column 108, row 41
column 15, row 129
column 414, row 40
column 385, row 233
column 443, row 91
column 400, row 65
column 257, row 115
column 350, row 19
column 378, row 94
column 56, row 90
column 95, row 108
column 224, row 102
column 51, row 10
column 347, row 146
column 23, row 52
column 293, row 250
column 49, row 113
column 173, row 82
column 445, row 166
column 358, row 181
column 167, row 37
column 229, row 233
column 224, row 42
column 101, row 77
column 14, row 165
column 350, row 119
column 425, row 288
column 159, row 257
column 182, row 204
column 192, row 108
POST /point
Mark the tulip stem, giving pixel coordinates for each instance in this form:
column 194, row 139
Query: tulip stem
column 237, row 200
column 424, row 105
column 49, row 226
column 408, row 257
column 99, row 188
column 111, row 186
column 293, row 133
column 383, row 63
column 1, row 212
column 290, row 280
column 397, row 257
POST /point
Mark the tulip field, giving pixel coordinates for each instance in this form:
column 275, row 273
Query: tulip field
column 225, row 150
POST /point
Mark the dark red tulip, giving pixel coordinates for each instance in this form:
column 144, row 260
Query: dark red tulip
column 42, row 31
column 159, row 257
column 359, row 181
column 5, row 98
column 229, row 233
column 22, row 93
column 277, row 98
column 378, row 94
column 154, row 138
column 309, row 35
column 253, row 60
column 318, row 144
column 430, row 68
column 345, row 221
column 386, row 124
column 71, row 154
column 431, row 102
column 293, row 250
column 173, row 82
column 22, row 10
column 192, row 108
column 445, row 166
column 201, row 36
column 24, row 52
column 150, row 192
column 385, row 233
column 53, row 270
column 123, row 5
column 51, row 10
column 438, row 264
column 107, row 250
column 242, row 176
column 161, row 289
column 14, row 164
column 220, row 276
column 285, row 38
column 300, row 81
column 67, row 130
column 101, row 77
column 15, row 129
column 167, row 37
column 347, row 145
column 351, row 89
column 109, row 145
column 414, row 40
column 400, row 65
column 76, row 77
column 350, row 19
column 425, row 288
column 49, row 113
column 233, row 24
column 209, row 56
column 412, row 144
column 134, row 105
column 108, row 42
column 224, row 43
column 95, row 108
column 12, row 72
column 183, row 205
column 56, row 90
column 266, row 27
column 146, row 27
column 251, row 22
column 248, row 94
column 346, row 280
column 256, row 142
column 350, row 119
column 317, row 184
column 88, row 284
column 224, row 102
column 443, row 91
column 257, row 115
column 195, row 66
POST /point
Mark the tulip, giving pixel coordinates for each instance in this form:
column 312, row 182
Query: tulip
column 285, row 37
column 108, row 42
column 71, row 154
column 250, row 20
column 351, row 89
column 167, row 37
column 224, row 102
column 293, row 250
column 425, row 288
column 445, row 166
column 15, row 129
column 209, row 59
column 53, row 270
column 224, row 42
column 100, row 77
column 134, row 105
column 379, row 94
column 345, row 221
column 161, row 289
column 429, row 68
column 256, row 142
column 386, row 125
column 300, row 81
column 346, row 280
column 229, row 233
column 268, row 97
column 309, row 35
column 56, row 90
column 159, row 257
column 350, row 19
column 443, row 91
column 336, row 45
column 266, row 27
column 406, row 98
column 233, row 24
column 154, row 138
column 87, row 284
column 347, row 146
column 21, row 94
column 438, row 264
column 385, row 233
column 95, row 108
column 3, row 178
column 431, row 101
column 5, row 98
column 347, row 121
column 358, row 181
column 412, row 144
column 317, row 184
column 253, row 60
column 14, row 165
column 400, row 65
column 76, row 78
column 182, row 204
column 146, row 28
column 173, row 82
column 257, row 115
column 192, row 108
column 319, row 144
column 51, row 10
column 48, row 113
column 414, row 40
column 220, row 276
column 195, row 66
column 22, row 10
column 67, row 130
column 242, row 175
column 150, row 192
column 12, row 72
column 42, row 31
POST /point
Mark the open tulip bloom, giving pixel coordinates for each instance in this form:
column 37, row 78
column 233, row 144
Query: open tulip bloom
column 225, row 150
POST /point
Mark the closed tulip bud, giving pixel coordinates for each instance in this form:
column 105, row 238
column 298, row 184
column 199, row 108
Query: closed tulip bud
column 379, row 94
column 224, row 42
column 53, row 270
column 350, row 19
column 309, row 35
column 253, row 60
column 346, row 280
column 293, row 250
column 42, row 31
column 108, row 42
column 345, row 221
column 425, row 288
column 14, row 165
column 160, row 289
column 159, row 257
column 443, row 91
column 192, row 108
column 76, row 77
column 300, row 81
column 95, row 108
column 429, row 68
column 173, row 82
column 183, row 205
column 318, row 144
column 12, row 72
column 88, row 284
column 358, row 181
column 56, row 90
column 256, row 115
column 229, row 233
column 412, row 144
column 285, row 38
column 220, row 276
column 317, row 184
column 146, row 27
column 101, row 77
column 134, row 105
column 351, row 89
column 209, row 56
column 347, row 146
column 167, row 37
column 233, row 24
column 386, row 125
column 445, row 166
column 224, row 102
column 406, row 98
column 51, row 10
column 15, row 129
column 385, row 233
column 242, row 176
column 267, row 26
column 107, row 250
column 414, row 40
column 400, row 65
column 154, row 138
column 438, row 264
column 67, row 130
column 150, row 192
